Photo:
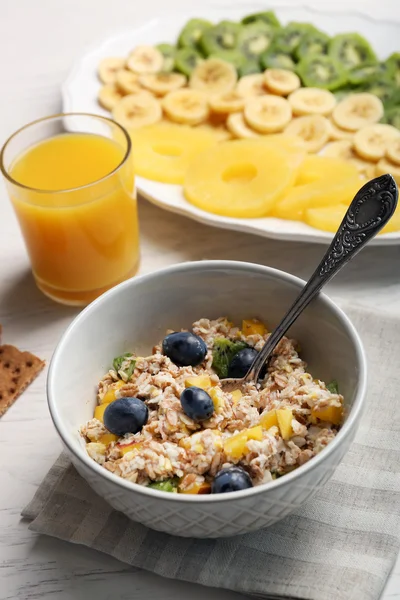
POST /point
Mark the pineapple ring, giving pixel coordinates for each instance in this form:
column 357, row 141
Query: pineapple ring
column 241, row 178
column 164, row 151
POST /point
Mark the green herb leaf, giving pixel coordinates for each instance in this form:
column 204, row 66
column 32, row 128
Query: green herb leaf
column 333, row 386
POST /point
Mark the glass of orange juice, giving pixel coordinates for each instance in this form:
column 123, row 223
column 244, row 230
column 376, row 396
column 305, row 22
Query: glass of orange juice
column 70, row 179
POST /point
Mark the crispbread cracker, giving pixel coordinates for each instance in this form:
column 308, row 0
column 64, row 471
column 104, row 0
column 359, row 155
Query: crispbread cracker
column 17, row 370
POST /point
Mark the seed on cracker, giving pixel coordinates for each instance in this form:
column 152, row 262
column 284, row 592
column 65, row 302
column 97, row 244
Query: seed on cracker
column 17, row 370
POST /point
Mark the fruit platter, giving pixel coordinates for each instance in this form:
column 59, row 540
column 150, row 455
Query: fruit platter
column 264, row 121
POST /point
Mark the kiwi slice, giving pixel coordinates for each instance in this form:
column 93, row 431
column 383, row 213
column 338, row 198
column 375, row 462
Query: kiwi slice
column 222, row 36
column 379, row 87
column 392, row 117
column 342, row 93
column 190, row 35
column 268, row 17
column 232, row 56
column 249, row 68
column 254, row 39
column 168, row 51
column 322, row 72
column 393, row 62
column 394, row 99
column 311, row 44
column 351, row 50
column 290, row 37
column 368, row 73
column 186, row 59
column 275, row 58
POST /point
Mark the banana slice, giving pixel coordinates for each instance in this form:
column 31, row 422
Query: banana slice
column 213, row 76
column 371, row 142
column 108, row 69
column 340, row 134
column 314, row 130
column 109, row 96
column 238, row 126
column 227, row 102
column 281, row 81
column 343, row 149
column 393, row 151
column 267, row 114
column 220, row 132
column 251, row 85
column 312, row 101
column 162, row 83
column 357, row 111
column 137, row 110
column 386, row 166
column 127, row 82
column 186, row 106
column 145, row 59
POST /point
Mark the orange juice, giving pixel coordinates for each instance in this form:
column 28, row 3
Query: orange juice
column 77, row 210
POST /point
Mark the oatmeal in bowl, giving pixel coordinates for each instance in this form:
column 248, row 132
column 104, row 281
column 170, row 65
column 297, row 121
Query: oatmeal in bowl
column 163, row 421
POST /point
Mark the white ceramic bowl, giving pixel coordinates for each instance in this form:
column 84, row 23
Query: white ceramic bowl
column 134, row 315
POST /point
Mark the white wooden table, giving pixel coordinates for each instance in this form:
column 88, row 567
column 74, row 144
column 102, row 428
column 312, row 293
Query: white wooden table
column 38, row 43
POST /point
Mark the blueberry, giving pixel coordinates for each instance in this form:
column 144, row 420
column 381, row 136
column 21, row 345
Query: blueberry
column 242, row 362
column 197, row 404
column 230, row 479
column 184, row 348
column 126, row 415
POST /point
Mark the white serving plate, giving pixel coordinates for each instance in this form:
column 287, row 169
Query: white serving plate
column 79, row 94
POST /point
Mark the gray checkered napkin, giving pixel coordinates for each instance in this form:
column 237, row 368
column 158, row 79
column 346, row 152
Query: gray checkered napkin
column 341, row 545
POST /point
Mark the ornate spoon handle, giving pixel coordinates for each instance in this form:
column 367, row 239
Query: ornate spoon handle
column 371, row 209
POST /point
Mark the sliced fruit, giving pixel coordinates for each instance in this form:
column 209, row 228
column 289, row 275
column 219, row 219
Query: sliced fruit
column 107, row 438
column 327, row 218
column 145, row 59
column 236, row 396
column 254, row 39
column 217, row 129
column 200, row 381
column 267, row 17
column 129, row 447
column 337, row 133
column 351, row 50
column 281, row 81
column 385, row 166
column 108, row 69
column 222, row 36
column 314, row 130
column 137, row 110
column 213, row 76
column 217, row 180
column 168, row 51
column 217, row 398
column 109, row 96
column 312, row 101
column 234, row 57
column 369, row 72
column 186, row 60
column 236, row 446
column 380, row 87
column 288, row 38
column 186, row 106
column 331, row 414
column 321, row 72
column 127, row 82
column 371, row 142
column 314, row 43
column 163, row 152
column 110, row 395
column 343, row 149
column 162, row 83
column 254, row 433
column 197, row 488
column 250, row 67
column 190, row 35
column 251, row 85
column 253, row 327
column 357, row 111
column 269, row 419
column 316, row 194
column 285, row 416
column 99, row 411
column 267, row 114
column 392, row 116
column 393, row 63
column 239, row 128
column 276, row 58
column 393, row 151
column 227, row 102
column 324, row 168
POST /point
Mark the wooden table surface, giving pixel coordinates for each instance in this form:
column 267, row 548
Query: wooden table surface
column 39, row 42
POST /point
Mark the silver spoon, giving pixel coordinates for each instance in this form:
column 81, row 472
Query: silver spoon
column 371, row 209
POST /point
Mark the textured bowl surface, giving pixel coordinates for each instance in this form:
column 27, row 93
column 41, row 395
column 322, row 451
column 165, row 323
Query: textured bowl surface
column 134, row 316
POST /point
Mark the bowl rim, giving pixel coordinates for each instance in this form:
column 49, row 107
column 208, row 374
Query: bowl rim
column 80, row 453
